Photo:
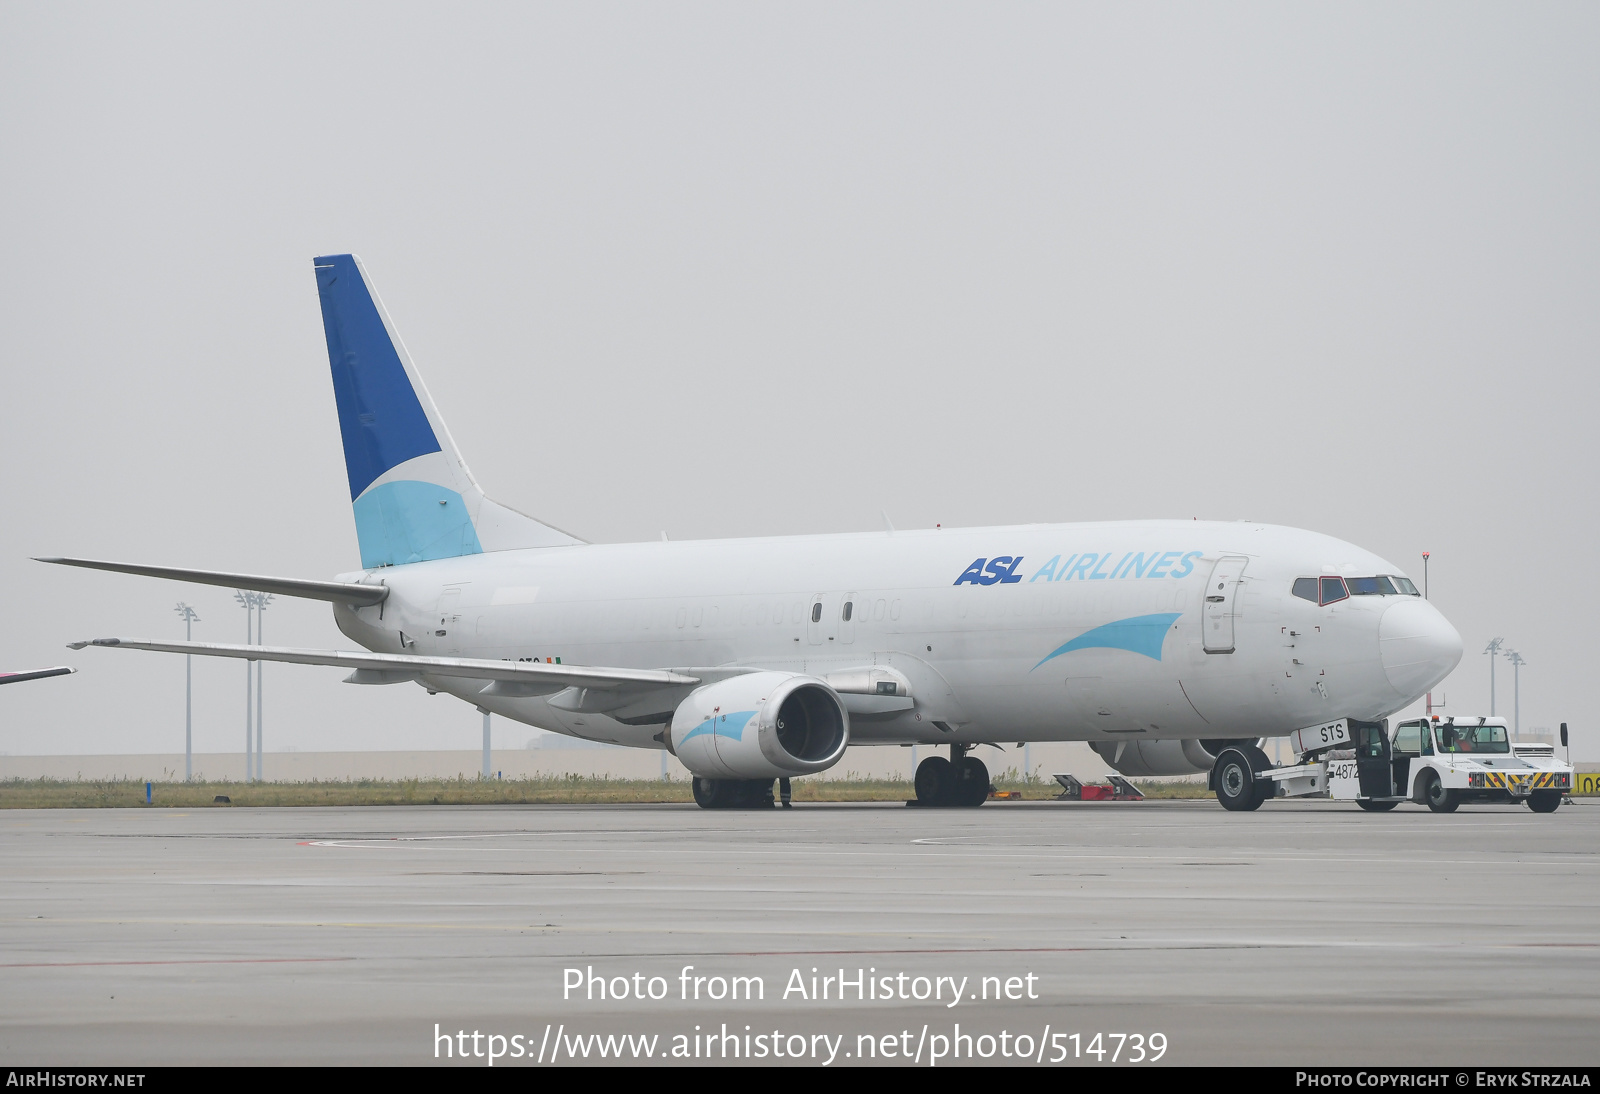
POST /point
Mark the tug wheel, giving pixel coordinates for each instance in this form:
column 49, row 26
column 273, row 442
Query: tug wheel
column 1544, row 801
column 1439, row 799
column 1376, row 807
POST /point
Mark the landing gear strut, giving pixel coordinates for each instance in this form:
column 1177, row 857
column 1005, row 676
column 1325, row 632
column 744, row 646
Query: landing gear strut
column 961, row 780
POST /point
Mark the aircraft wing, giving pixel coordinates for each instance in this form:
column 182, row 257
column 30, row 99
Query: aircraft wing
column 474, row 668
column 339, row 592
column 36, row 674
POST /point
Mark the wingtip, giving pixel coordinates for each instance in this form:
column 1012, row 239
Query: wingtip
column 76, row 645
column 94, row 642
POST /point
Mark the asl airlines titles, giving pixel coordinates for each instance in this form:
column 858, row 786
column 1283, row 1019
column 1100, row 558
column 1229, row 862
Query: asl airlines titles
column 1089, row 566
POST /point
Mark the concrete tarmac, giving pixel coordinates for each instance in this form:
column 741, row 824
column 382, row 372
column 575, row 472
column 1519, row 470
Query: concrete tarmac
column 1303, row 934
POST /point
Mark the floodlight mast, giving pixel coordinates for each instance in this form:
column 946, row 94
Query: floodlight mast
column 189, row 620
column 1493, row 650
column 1517, row 662
column 247, row 602
column 262, row 601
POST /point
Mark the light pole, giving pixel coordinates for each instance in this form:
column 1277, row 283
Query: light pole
column 247, row 602
column 262, row 601
column 1493, row 650
column 189, row 620
column 1517, row 662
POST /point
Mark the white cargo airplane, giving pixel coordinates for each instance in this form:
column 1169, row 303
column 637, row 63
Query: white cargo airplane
column 1160, row 642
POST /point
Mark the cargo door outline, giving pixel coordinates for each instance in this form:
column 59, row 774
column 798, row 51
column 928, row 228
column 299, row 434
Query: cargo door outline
column 1217, row 609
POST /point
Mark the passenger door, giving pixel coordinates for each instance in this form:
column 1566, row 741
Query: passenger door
column 1221, row 591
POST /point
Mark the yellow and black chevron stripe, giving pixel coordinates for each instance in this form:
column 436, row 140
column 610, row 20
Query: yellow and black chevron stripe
column 1517, row 781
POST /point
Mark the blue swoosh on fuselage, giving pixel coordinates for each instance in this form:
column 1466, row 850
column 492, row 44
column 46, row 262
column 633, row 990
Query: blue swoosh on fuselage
column 1136, row 634
column 723, row 725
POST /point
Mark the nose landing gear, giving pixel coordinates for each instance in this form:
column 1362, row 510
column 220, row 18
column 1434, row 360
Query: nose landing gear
column 961, row 780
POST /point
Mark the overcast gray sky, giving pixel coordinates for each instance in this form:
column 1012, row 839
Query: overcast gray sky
column 737, row 270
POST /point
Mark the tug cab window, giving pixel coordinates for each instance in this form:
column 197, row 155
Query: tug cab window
column 1408, row 739
column 1306, row 588
column 1332, row 590
column 1487, row 739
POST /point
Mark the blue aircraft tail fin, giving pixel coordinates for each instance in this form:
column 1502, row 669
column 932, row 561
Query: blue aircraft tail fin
column 413, row 496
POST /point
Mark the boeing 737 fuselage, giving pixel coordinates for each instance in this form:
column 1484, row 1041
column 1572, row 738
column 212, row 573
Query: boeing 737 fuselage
column 1159, row 642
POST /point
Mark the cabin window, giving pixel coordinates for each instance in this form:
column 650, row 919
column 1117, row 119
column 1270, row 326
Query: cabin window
column 1332, row 590
column 816, row 612
column 1306, row 588
column 848, row 609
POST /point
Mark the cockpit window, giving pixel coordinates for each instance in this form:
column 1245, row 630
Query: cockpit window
column 1332, row 589
column 1306, row 588
column 1475, row 739
column 1405, row 586
column 1370, row 586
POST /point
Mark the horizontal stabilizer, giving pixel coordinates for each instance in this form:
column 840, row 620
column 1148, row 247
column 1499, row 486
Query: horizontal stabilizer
column 473, row 668
column 339, row 592
column 36, row 674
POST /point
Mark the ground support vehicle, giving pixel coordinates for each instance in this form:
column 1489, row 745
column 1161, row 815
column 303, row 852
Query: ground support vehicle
column 1440, row 763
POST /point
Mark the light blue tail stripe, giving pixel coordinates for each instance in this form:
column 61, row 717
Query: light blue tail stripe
column 409, row 521
column 1143, row 634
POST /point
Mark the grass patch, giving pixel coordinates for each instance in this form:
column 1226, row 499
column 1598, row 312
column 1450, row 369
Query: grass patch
column 462, row 790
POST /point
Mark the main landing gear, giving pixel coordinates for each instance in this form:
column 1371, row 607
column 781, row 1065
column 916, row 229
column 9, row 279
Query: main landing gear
column 733, row 793
column 960, row 780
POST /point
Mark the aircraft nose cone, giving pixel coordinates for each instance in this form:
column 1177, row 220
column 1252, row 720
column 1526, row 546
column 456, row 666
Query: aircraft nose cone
column 1418, row 647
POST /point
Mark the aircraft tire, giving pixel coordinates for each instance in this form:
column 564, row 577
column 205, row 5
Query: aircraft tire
column 714, row 793
column 1544, row 801
column 973, row 787
column 934, row 781
column 1376, row 807
column 757, row 794
column 1439, row 799
column 1235, row 779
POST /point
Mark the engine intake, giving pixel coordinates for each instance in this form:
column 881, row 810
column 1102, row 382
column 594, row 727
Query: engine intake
column 762, row 725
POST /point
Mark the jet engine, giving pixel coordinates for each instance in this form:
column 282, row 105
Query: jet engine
column 1142, row 758
column 762, row 725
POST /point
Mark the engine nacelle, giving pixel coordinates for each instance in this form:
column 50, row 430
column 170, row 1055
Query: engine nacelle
column 762, row 725
column 1142, row 758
